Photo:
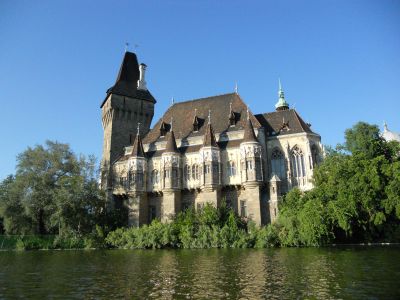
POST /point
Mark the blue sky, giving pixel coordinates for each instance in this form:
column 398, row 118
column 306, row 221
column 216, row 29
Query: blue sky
column 338, row 61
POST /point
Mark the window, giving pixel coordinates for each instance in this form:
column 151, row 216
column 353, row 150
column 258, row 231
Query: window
column 195, row 172
column 166, row 174
column 243, row 208
column 215, row 168
column 139, row 178
column 315, row 155
column 231, row 167
column 278, row 164
column 174, row 173
column 208, row 169
column 155, row 177
column 186, row 172
column 249, row 165
column 298, row 167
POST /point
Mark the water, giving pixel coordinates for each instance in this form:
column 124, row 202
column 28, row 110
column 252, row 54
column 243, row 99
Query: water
column 325, row 273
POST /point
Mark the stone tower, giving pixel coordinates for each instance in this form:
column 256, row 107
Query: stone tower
column 128, row 102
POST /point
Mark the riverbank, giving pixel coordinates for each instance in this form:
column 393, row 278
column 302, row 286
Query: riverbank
column 46, row 242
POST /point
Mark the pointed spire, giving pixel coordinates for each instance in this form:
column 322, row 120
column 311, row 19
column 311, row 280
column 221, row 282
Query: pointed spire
column 249, row 135
column 209, row 137
column 236, row 88
column 129, row 71
column 171, row 143
column 172, row 101
column 385, row 127
column 281, row 104
column 137, row 150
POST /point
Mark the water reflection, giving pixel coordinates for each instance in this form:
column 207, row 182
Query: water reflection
column 202, row 274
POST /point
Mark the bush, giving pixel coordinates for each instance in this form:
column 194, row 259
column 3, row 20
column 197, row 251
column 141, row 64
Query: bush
column 208, row 228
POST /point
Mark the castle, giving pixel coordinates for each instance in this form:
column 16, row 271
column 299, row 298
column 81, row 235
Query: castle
column 208, row 150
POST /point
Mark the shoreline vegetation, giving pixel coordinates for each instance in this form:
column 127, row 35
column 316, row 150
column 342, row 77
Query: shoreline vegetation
column 54, row 202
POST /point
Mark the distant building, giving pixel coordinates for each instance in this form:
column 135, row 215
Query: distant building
column 390, row 135
column 208, row 150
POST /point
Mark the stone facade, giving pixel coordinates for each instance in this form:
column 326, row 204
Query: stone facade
column 209, row 150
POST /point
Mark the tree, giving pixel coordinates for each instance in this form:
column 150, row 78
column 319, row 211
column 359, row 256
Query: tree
column 53, row 190
column 356, row 195
column 364, row 138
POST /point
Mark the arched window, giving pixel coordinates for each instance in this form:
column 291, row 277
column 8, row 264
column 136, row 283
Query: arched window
column 155, row 177
column 298, row 167
column 186, row 172
column 278, row 164
column 195, row 172
column 315, row 155
column 175, row 174
column 231, row 168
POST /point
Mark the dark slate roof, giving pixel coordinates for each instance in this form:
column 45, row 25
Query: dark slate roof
column 209, row 137
column 249, row 135
column 283, row 122
column 184, row 112
column 137, row 150
column 126, row 83
column 171, row 143
column 196, row 148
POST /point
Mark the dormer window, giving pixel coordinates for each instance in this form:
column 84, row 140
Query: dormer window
column 163, row 129
column 232, row 116
column 196, row 122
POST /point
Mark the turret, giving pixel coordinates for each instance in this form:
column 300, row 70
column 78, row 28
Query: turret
column 281, row 104
column 171, row 163
column 137, row 166
column 274, row 196
column 251, row 155
column 210, row 158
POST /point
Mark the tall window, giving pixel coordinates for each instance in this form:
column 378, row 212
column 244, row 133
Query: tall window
column 231, row 168
column 155, row 177
column 186, row 172
column 166, row 173
column 208, row 169
column 278, row 164
column 315, row 155
column 243, row 208
column 249, row 165
column 298, row 166
column 174, row 173
column 195, row 172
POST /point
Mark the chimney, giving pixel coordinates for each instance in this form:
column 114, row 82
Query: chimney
column 142, row 80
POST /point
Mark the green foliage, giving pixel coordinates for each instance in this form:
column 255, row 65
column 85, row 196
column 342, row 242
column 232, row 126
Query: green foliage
column 364, row 138
column 208, row 228
column 356, row 197
column 53, row 191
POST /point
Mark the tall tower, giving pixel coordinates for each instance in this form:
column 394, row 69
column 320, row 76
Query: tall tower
column 128, row 102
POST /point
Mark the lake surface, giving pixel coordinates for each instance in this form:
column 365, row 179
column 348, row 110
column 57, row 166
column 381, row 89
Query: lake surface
column 324, row 273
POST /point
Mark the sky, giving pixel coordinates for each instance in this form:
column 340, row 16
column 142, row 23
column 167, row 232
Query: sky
column 339, row 62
